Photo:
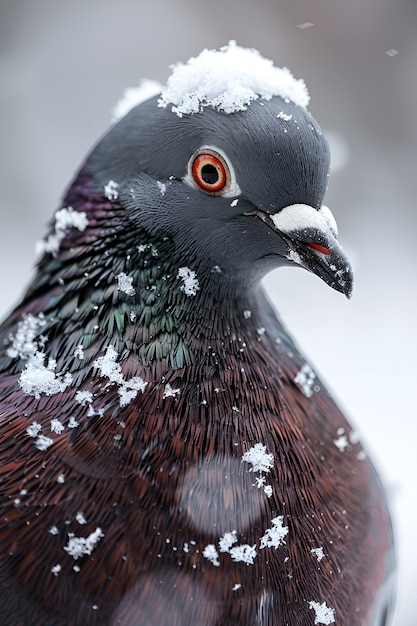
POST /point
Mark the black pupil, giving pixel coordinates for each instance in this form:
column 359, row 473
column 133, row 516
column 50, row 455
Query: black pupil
column 209, row 174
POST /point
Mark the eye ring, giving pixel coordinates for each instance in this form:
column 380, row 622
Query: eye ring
column 210, row 171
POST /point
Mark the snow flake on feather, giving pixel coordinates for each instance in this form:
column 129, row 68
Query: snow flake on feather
column 190, row 284
column 79, row 352
column 34, row 429
column 211, row 554
column 25, row 342
column 227, row 540
column 318, row 553
column 84, row 397
column 64, row 220
column 324, row 614
column 341, row 443
column 243, row 553
column 275, row 536
column 109, row 368
column 124, row 284
column 56, row 569
column 228, row 80
column 39, row 377
column 261, row 462
column 305, row 379
column 111, row 190
column 78, row 547
column 170, row 392
column 57, row 427
column 259, row 458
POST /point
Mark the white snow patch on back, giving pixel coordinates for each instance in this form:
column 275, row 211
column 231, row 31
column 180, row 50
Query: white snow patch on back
column 244, row 553
column 109, row 368
column 81, row 546
column 305, row 379
column 134, row 96
column 318, row 553
column 324, row 614
column 275, row 536
column 64, row 220
column 259, row 458
column 228, row 80
column 39, row 377
column 211, row 554
column 190, row 284
column 124, row 284
column 24, row 344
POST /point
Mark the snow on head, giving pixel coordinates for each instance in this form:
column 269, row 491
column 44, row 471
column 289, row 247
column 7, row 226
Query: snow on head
column 229, row 79
column 134, row 96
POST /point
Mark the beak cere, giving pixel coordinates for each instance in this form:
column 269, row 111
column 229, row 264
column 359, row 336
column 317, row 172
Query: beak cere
column 311, row 237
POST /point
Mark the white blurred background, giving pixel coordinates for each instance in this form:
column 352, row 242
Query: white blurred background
column 63, row 66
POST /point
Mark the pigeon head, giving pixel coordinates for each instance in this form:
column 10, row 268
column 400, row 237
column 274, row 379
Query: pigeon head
column 241, row 185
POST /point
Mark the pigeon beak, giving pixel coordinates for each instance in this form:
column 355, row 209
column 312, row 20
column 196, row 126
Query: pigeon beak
column 311, row 239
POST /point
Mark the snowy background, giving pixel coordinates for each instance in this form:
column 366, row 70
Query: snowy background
column 63, row 66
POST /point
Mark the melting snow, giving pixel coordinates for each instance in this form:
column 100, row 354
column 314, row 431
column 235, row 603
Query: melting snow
column 64, row 220
column 324, row 614
column 124, row 284
column 275, row 536
column 341, row 443
column 305, row 379
column 80, row 518
column 162, row 187
column 229, row 79
column 190, row 284
column 134, row 96
column 81, row 546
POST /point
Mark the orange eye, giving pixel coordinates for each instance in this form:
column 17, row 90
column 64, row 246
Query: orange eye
column 209, row 172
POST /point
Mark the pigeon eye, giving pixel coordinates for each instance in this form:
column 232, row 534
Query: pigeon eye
column 210, row 171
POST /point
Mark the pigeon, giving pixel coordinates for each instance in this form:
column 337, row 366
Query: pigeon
column 168, row 456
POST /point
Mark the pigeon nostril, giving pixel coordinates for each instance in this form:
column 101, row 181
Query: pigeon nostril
column 318, row 247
